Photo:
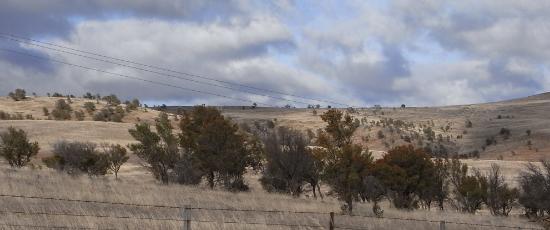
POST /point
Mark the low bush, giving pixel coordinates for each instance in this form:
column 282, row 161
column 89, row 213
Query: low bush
column 62, row 110
column 79, row 115
column 89, row 107
column 16, row 148
column 110, row 114
column 535, row 187
column 78, row 157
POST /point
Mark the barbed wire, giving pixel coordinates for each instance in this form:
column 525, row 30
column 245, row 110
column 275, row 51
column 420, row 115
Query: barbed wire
column 256, row 210
column 445, row 221
column 161, row 206
column 259, row 223
column 91, row 201
column 48, row 227
column 228, row 210
column 89, row 215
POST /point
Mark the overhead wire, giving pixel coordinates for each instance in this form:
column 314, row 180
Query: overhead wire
column 32, row 42
column 131, row 77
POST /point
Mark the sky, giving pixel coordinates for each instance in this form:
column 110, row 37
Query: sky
column 356, row 53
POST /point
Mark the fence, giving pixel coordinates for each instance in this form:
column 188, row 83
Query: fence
column 187, row 217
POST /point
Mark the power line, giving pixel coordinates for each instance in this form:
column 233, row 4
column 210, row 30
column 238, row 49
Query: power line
column 131, row 77
column 20, row 38
column 159, row 73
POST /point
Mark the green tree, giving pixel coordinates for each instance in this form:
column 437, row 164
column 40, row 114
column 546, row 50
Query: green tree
column 214, row 142
column 408, row 174
column 470, row 191
column 346, row 163
column 159, row 150
column 16, row 148
column 18, row 95
column 117, row 157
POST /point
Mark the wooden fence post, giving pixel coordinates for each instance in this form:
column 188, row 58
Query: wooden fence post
column 331, row 222
column 186, row 214
column 442, row 225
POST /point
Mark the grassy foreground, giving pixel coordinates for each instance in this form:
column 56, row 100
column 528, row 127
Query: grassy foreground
column 141, row 189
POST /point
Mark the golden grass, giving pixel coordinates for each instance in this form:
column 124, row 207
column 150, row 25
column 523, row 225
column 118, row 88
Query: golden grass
column 141, row 189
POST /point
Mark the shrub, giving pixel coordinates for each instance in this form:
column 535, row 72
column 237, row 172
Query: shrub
column 4, row 115
column 89, row 107
column 409, row 176
column 62, row 110
column 16, row 148
column 77, row 157
column 116, row 155
column 112, row 100
column 79, row 115
column 505, row 133
column 380, row 134
column 88, row 95
column 500, row 197
column 490, row 141
column 132, row 105
column 535, row 187
column 18, row 95
column 288, row 161
column 470, row 191
column 109, row 114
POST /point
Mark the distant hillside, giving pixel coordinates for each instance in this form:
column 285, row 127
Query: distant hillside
column 524, row 123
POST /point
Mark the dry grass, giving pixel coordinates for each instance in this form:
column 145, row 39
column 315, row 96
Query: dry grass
column 141, row 189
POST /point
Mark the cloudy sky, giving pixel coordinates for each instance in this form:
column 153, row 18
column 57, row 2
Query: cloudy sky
column 417, row 52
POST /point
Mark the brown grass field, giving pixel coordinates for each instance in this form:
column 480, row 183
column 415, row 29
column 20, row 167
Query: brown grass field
column 136, row 186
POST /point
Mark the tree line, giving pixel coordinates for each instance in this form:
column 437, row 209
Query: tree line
column 208, row 147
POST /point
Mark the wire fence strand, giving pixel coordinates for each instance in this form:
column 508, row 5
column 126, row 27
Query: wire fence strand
column 224, row 210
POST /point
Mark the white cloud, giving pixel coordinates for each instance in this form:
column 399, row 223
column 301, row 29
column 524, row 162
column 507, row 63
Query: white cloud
column 422, row 52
